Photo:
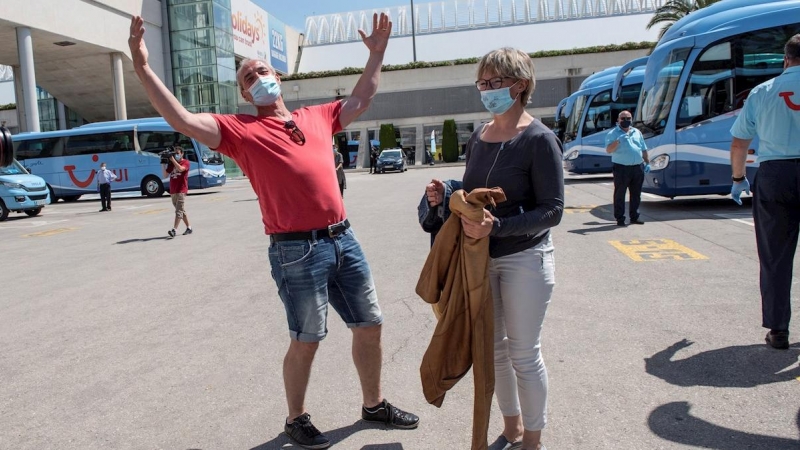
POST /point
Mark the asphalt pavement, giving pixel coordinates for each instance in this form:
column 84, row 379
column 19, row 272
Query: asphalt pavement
column 115, row 337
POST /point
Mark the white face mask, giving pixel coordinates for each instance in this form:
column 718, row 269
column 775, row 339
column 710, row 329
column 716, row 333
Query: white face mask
column 102, row 167
column 265, row 90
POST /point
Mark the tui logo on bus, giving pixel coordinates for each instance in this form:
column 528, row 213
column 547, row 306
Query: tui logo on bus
column 122, row 174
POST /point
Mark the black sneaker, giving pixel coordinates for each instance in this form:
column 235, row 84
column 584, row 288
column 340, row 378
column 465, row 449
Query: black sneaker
column 389, row 415
column 302, row 431
column 171, row 233
column 621, row 223
column 188, row 231
column 636, row 221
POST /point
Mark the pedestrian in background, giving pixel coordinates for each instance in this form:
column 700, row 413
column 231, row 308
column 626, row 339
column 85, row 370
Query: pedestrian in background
column 373, row 160
column 629, row 156
column 178, row 172
column 338, row 161
column 772, row 112
column 104, row 179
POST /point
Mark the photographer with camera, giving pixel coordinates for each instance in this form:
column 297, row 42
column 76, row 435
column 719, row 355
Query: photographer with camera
column 177, row 168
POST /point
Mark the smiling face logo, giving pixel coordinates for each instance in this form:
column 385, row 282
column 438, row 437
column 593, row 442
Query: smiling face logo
column 85, row 183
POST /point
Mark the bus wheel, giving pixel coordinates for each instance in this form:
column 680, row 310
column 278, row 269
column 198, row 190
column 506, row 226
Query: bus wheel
column 33, row 212
column 53, row 197
column 3, row 211
column 71, row 198
column 152, row 187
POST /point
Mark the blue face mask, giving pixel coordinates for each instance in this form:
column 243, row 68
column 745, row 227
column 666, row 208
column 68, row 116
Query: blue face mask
column 265, row 91
column 498, row 101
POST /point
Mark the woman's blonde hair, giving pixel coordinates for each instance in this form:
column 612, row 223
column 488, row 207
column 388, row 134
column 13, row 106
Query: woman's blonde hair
column 513, row 63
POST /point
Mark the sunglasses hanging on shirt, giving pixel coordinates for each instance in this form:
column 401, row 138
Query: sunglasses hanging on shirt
column 297, row 136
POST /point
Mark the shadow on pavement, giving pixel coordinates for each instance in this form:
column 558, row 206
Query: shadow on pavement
column 338, row 435
column 674, row 423
column 588, row 179
column 741, row 366
column 130, row 241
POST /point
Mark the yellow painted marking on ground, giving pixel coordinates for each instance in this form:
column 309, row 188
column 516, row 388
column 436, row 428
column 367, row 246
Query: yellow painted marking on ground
column 151, row 211
column 655, row 250
column 578, row 209
column 217, row 199
column 49, row 232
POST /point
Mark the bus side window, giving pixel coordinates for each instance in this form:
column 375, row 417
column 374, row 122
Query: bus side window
column 190, row 154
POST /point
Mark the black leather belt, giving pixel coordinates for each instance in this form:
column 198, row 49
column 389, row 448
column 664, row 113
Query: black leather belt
column 332, row 231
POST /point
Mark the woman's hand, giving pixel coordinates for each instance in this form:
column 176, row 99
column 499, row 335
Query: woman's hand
column 435, row 192
column 478, row 230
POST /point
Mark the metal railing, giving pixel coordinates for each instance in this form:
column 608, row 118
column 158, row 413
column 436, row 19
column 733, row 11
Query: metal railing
column 457, row 15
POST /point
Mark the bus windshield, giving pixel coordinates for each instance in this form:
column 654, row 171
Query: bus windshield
column 574, row 119
column 209, row 156
column 15, row 168
column 656, row 102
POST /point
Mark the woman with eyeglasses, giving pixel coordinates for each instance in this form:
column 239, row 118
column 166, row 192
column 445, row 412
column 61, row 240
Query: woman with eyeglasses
column 518, row 153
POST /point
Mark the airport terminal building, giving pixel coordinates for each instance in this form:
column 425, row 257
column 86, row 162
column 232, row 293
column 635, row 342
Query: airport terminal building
column 70, row 64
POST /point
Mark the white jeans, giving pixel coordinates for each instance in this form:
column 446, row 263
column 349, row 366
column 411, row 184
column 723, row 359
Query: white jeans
column 522, row 284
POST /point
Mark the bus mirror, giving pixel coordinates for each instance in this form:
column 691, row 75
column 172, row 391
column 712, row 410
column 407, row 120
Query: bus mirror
column 6, row 147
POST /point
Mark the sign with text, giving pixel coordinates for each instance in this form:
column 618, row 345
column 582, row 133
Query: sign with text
column 277, row 45
column 250, row 30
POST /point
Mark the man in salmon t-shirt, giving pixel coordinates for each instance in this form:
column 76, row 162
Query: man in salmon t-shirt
column 315, row 257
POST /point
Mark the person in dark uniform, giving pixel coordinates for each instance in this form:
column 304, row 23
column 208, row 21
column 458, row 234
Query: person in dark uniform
column 772, row 112
column 373, row 160
column 338, row 161
column 629, row 155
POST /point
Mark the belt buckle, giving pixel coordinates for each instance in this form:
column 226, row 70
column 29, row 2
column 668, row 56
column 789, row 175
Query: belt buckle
column 335, row 229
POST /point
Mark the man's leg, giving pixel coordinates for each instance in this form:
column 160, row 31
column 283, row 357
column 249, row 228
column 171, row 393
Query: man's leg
column 619, row 192
column 368, row 358
column 296, row 373
column 637, row 180
column 776, row 215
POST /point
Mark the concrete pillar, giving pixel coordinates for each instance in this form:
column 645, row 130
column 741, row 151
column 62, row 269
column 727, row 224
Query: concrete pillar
column 120, row 108
column 419, row 152
column 62, row 115
column 21, row 110
column 28, row 79
column 363, row 148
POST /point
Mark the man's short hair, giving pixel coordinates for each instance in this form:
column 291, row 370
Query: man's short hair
column 177, row 148
column 792, row 47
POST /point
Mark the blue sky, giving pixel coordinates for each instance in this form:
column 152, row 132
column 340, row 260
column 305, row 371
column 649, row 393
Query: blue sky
column 294, row 12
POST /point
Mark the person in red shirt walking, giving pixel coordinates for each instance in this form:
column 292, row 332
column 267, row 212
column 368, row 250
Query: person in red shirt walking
column 315, row 257
column 178, row 172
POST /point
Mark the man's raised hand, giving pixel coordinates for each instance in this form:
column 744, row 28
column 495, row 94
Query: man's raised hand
column 381, row 30
column 136, row 42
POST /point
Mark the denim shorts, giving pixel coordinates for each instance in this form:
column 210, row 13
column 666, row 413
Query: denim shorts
column 311, row 274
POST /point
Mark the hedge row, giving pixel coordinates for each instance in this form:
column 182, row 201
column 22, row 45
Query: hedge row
column 8, row 107
column 644, row 45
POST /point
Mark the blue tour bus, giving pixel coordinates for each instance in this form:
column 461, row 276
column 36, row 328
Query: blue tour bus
column 696, row 81
column 592, row 111
column 68, row 159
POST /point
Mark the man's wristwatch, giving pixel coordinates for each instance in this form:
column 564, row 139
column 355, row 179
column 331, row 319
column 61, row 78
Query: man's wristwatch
column 739, row 179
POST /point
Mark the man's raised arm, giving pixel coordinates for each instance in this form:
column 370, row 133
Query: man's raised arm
column 202, row 127
column 367, row 84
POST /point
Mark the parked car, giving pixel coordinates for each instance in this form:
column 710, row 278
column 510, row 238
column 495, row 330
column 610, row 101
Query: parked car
column 21, row 192
column 392, row 159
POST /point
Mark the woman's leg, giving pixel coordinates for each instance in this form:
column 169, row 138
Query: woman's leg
column 524, row 282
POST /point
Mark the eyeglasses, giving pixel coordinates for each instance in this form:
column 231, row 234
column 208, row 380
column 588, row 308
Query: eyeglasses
column 297, row 136
column 491, row 83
